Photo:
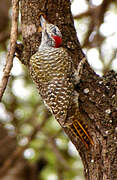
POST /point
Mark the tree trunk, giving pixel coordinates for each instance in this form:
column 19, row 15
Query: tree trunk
column 97, row 96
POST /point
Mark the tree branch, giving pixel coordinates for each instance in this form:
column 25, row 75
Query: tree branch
column 96, row 13
column 13, row 39
column 97, row 95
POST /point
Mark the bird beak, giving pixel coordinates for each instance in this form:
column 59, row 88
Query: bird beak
column 43, row 23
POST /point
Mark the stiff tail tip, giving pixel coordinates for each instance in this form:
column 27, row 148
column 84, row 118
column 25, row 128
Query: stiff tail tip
column 82, row 133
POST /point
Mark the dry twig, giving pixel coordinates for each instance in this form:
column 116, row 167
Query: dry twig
column 13, row 39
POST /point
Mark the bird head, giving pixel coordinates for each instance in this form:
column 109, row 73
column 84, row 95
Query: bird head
column 51, row 35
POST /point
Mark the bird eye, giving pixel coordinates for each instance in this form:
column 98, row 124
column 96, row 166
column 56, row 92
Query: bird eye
column 54, row 31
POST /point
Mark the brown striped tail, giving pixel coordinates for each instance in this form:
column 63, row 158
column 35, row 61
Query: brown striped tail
column 79, row 128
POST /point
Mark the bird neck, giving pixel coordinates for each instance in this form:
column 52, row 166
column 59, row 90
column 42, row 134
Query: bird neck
column 45, row 48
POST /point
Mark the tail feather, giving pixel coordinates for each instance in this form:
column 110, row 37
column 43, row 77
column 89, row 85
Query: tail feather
column 79, row 128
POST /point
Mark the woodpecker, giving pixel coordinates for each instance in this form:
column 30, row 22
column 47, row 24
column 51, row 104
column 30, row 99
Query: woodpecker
column 53, row 72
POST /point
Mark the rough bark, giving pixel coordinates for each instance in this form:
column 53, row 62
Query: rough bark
column 97, row 96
